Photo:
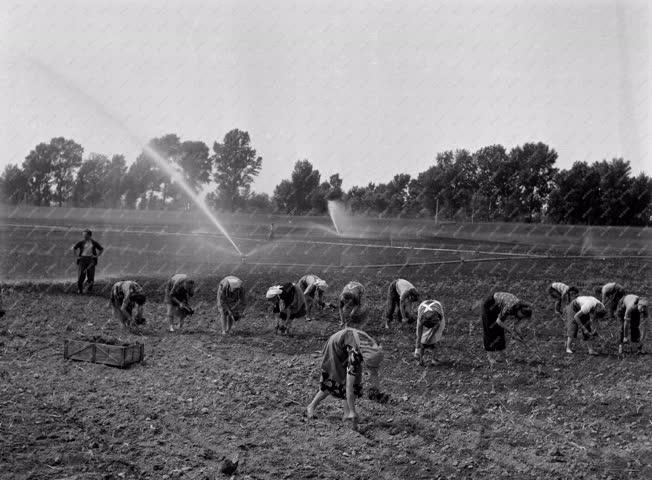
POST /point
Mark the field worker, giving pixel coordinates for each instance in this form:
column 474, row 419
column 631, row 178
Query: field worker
column 345, row 354
column 610, row 293
column 87, row 252
column 430, row 328
column 496, row 309
column 178, row 290
column 289, row 302
column 404, row 295
column 633, row 316
column 313, row 287
column 562, row 294
column 581, row 314
column 125, row 296
column 351, row 305
column 2, row 310
column 230, row 301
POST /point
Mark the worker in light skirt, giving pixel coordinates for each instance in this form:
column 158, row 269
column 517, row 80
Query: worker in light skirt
column 632, row 313
column 344, row 356
column 313, row 289
column 496, row 310
column 178, row 291
column 610, row 294
column 562, row 294
column 581, row 316
column 125, row 296
column 430, row 328
column 230, row 302
column 289, row 303
column 402, row 296
column 352, row 307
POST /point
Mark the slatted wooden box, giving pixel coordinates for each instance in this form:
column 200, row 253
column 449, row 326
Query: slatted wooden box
column 96, row 352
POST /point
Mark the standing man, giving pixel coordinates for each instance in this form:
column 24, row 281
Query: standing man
column 87, row 252
column 270, row 234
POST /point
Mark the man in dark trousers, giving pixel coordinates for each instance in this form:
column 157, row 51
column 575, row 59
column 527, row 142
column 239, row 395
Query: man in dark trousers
column 89, row 251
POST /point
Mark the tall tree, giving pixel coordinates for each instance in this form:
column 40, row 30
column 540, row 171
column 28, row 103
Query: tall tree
column 14, row 185
column 282, row 198
column 493, row 180
column 327, row 191
column 115, row 182
column 168, row 148
column 615, row 181
column 66, row 158
column 534, row 179
column 298, row 195
column 639, row 199
column 259, row 203
column 576, row 196
column 141, row 183
column 396, row 193
column 305, row 180
column 38, row 170
column 89, row 188
column 236, row 166
column 196, row 166
column 357, row 198
column 196, row 163
column 335, row 192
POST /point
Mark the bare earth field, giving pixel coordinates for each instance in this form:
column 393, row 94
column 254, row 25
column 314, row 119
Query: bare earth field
column 200, row 398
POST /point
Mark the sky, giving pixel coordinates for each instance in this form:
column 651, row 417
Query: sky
column 366, row 90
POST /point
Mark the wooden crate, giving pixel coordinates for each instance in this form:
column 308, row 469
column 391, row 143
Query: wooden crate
column 116, row 355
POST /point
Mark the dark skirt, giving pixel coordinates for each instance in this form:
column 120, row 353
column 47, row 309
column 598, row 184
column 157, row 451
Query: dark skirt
column 634, row 327
column 493, row 335
column 338, row 390
column 298, row 314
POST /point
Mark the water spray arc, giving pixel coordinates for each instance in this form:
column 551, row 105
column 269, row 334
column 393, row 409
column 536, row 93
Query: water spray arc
column 92, row 103
column 177, row 177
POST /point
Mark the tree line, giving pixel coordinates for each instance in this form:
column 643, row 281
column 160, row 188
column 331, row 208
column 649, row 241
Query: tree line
column 491, row 184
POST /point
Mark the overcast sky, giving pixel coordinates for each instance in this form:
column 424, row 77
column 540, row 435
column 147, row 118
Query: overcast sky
column 368, row 91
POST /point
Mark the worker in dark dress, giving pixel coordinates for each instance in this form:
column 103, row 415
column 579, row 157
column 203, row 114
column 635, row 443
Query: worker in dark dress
column 496, row 309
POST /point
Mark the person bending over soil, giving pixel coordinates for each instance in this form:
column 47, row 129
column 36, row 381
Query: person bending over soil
column 404, row 295
column 430, row 328
column 126, row 295
column 581, row 315
column 496, row 309
column 343, row 358
column 178, row 291
column 230, row 302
